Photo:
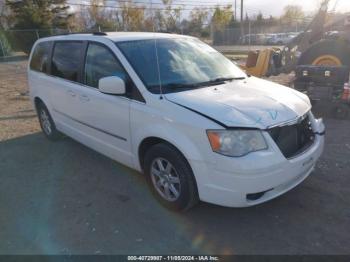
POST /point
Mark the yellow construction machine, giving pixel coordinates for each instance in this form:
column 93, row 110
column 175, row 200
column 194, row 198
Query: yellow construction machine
column 325, row 42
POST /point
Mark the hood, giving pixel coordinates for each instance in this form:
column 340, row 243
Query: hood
column 252, row 102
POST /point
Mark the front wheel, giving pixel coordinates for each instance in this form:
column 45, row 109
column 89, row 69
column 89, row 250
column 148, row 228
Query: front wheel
column 170, row 177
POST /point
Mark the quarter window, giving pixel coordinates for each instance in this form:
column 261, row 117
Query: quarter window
column 66, row 60
column 100, row 62
column 40, row 57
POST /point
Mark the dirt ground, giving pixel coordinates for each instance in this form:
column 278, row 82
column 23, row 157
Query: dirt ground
column 63, row 198
column 17, row 116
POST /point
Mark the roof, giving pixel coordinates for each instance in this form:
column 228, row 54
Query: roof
column 118, row 36
column 127, row 36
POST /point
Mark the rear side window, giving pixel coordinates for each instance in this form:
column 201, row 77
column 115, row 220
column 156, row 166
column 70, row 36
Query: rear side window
column 100, row 62
column 66, row 60
column 40, row 57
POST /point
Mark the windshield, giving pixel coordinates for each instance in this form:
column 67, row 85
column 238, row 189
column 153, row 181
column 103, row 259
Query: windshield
column 184, row 64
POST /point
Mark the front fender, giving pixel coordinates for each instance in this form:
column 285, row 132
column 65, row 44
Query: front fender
column 168, row 133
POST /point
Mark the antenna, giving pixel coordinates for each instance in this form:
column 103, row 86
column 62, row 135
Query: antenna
column 156, row 49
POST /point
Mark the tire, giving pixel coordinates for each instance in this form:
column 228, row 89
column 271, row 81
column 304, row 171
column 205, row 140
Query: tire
column 180, row 171
column 47, row 124
column 339, row 49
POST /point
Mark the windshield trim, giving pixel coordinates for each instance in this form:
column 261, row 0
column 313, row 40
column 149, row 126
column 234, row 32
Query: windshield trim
column 163, row 91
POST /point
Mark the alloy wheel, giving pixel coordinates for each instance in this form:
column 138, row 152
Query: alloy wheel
column 45, row 122
column 165, row 179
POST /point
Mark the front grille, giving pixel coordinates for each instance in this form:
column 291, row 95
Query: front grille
column 294, row 139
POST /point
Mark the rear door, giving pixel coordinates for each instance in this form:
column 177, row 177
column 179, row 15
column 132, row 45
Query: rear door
column 66, row 62
column 39, row 68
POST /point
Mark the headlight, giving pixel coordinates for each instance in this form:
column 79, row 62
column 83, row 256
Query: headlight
column 236, row 143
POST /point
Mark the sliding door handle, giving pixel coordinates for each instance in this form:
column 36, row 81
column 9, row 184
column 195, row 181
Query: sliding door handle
column 84, row 98
column 71, row 93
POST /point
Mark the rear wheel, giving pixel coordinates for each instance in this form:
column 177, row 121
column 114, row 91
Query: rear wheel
column 170, row 177
column 46, row 122
column 327, row 53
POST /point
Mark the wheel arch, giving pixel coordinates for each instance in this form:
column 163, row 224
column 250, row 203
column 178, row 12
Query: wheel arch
column 37, row 102
column 148, row 142
column 40, row 101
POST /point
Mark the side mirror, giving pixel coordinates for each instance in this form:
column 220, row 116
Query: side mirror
column 112, row 85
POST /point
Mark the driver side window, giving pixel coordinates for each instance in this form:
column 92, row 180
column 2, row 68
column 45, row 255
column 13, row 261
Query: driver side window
column 99, row 63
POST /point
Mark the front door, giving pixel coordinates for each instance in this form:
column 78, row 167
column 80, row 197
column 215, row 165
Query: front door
column 103, row 119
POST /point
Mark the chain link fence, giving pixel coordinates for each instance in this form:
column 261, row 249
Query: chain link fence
column 254, row 34
column 18, row 43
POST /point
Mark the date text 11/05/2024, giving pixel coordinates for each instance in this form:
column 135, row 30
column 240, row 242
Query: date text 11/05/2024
column 173, row 258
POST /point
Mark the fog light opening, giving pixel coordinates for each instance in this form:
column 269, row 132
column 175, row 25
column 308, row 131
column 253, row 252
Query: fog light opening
column 257, row 196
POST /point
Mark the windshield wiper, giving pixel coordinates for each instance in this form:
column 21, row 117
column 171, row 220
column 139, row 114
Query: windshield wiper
column 221, row 80
column 225, row 79
column 175, row 86
column 180, row 85
column 184, row 86
column 197, row 85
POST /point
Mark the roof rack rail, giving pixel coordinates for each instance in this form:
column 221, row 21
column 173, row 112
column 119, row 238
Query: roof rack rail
column 77, row 33
column 99, row 33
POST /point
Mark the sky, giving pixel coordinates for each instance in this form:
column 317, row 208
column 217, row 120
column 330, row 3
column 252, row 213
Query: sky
column 252, row 7
column 269, row 7
column 275, row 7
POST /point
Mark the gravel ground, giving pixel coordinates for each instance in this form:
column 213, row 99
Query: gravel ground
column 63, row 198
column 17, row 117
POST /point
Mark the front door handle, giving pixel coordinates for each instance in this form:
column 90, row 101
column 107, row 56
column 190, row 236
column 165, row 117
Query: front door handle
column 84, row 98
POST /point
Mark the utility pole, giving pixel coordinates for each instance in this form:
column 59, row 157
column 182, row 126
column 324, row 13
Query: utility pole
column 241, row 22
column 235, row 10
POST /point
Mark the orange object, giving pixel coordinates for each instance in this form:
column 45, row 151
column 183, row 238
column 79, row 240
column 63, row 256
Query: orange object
column 214, row 139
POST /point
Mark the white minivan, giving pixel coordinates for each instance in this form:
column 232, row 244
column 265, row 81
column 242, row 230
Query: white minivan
column 178, row 111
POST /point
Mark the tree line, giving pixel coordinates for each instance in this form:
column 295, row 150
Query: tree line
column 127, row 16
column 124, row 15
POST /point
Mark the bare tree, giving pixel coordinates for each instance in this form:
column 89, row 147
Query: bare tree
column 101, row 17
column 5, row 16
column 293, row 15
column 198, row 18
column 168, row 18
column 222, row 17
column 132, row 17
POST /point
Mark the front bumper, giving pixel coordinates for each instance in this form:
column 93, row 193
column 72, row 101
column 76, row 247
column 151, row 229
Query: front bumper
column 230, row 181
